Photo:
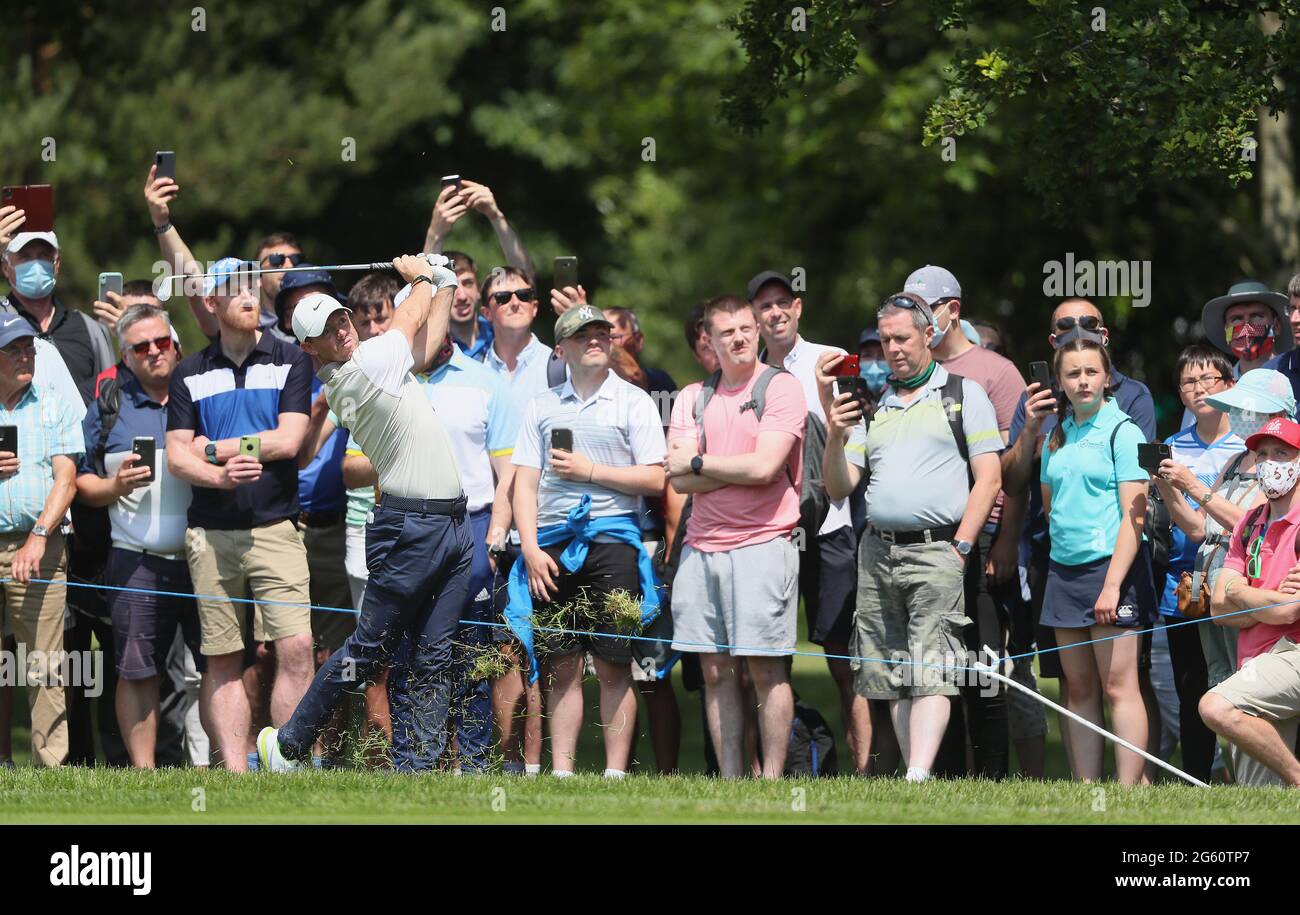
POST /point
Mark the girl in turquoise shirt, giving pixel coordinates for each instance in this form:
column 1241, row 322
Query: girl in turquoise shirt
column 1099, row 578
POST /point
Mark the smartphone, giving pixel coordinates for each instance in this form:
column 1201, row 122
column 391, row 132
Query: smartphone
column 562, row 439
column 1041, row 374
column 109, row 282
column 451, row 179
column 566, row 272
column 165, row 161
column 848, row 367
column 147, row 448
column 1151, row 454
column 9, row 439
column 36, row 200
column 252, row 446
column 854, row 385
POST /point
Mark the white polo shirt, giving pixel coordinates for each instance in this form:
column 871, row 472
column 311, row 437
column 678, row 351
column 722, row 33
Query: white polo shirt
column 801, row 362
column 479, row 415
column 384, row 406
column 618, row 427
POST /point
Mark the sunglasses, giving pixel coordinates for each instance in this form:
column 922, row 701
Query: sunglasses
column 1254, row 567
column 1087, row 322
column 902, row 301
column 164, row 344
column 525, row 295
column 277, row 260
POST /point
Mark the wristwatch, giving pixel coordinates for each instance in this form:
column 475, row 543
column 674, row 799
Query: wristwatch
column 963, row 546
column 1205, row 499
column 421, row 278
column 697, row 465
column 210, row 449
column 40, row 530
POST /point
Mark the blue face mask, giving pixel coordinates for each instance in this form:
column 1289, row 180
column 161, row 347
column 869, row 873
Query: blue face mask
column 938, row 332
column 874, row 374
column 34, row 279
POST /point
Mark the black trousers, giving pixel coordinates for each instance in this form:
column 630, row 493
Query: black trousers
column 1192, row 680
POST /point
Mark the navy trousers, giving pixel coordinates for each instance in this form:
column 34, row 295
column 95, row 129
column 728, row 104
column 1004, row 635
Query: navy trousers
column 419, row 564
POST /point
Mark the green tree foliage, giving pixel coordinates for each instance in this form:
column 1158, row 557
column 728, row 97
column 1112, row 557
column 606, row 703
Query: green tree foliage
column 676, row 147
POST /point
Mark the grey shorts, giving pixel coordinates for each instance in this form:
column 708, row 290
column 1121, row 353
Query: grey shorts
column 740, row 602
column 911, row 608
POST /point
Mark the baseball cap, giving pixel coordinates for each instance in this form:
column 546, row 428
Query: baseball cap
column 870, row 335
column 12, row 327
column 221, row 273
column 1282, row 429
column 22, row 239
column 312, row 312
column 932, row 284
column 303, row 278
column 1262, row 391
column 762, row 279
column 575, row 319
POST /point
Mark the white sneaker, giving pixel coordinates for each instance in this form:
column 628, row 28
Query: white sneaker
column 269, row 757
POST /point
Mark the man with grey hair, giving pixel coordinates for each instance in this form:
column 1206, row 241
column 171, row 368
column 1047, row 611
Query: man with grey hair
column 928, row 426
column 121, row 471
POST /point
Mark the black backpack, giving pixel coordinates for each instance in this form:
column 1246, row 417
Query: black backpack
column 811, row 753
column 814, row 504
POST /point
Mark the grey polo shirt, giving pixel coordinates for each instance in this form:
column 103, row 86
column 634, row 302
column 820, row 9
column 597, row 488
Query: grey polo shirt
column 917, row 477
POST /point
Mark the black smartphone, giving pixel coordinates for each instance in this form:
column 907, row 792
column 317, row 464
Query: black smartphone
column 856, row 386
column 562, row 439
column 566, row 272
column 451, row 179
column 1150, row 454
column 1040, row 373
column 147, row 447
column 166, row 162
column 109, row 282
column 9, row 439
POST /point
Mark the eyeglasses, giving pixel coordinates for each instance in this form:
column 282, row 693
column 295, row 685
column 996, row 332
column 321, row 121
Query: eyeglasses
column 1087, row 322
column 14, row 352
column 164, row 345
column 525, row 295
column 1205, row 381
column 277, row 260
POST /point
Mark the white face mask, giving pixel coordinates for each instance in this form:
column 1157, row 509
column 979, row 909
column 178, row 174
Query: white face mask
column 1277, row 478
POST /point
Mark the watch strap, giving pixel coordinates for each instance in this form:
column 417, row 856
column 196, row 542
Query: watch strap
column 40, row 530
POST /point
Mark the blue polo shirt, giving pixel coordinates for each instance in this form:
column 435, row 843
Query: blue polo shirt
column 47, row 426
column 320, row 483
column 152, row 517
column 1084, row 475
column 482, row 343
column 212, row 396
column 1133, row 399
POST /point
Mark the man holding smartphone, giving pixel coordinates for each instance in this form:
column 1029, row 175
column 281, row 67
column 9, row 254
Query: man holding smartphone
column 37, row 484
column 146, row 506
column 241, row 538
column 576, row 509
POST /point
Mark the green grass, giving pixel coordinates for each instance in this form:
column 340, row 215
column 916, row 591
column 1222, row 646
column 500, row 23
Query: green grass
column 125, row 796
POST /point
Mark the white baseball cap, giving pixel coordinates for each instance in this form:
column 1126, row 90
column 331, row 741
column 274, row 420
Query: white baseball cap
column 932, row 284
column 311, row 313
column 22, row 239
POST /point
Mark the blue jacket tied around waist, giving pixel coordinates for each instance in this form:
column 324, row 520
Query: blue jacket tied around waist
column 577, row 531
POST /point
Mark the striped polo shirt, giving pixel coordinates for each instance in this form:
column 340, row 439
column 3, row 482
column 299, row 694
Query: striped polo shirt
column 618, row 426
column 152, row 517
column 917, row 478
column 479, row 415
column 213, row 397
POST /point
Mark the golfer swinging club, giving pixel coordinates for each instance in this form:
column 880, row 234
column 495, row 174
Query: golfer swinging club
column 418, row 542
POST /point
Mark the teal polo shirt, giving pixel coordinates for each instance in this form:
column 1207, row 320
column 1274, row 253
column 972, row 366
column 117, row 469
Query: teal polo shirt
column 1084, row 482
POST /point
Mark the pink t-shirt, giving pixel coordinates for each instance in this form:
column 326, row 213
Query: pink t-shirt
column 736, row 516
column 1276, row 557
column 1001, row 380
